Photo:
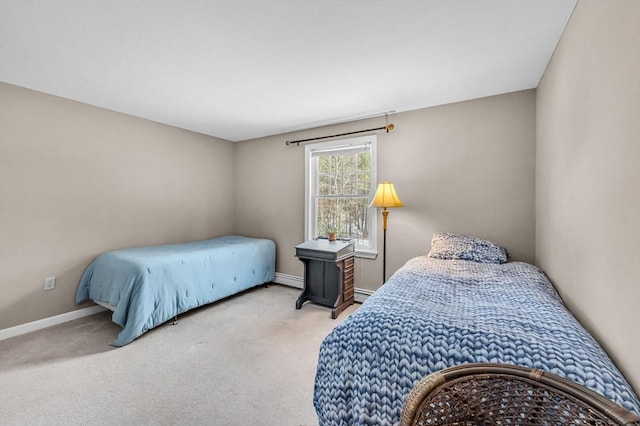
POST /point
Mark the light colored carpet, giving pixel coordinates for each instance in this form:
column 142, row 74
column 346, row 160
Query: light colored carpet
column 247, row 360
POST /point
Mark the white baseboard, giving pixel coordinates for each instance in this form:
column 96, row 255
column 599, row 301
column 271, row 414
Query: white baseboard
column 289, row 280
column 360, row 295
column 18, row 330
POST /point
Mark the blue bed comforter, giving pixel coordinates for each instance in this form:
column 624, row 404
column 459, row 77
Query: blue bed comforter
column 433, row 314
column 150, row 285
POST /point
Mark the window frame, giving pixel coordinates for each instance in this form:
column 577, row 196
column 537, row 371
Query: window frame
column 367, row 251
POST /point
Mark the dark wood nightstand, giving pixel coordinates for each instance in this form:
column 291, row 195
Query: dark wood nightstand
column 328, row 274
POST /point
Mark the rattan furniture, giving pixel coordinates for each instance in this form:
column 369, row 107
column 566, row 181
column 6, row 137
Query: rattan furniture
column 501, row 394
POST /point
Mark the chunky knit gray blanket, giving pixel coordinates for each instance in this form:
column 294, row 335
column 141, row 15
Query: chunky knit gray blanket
column 434, row 314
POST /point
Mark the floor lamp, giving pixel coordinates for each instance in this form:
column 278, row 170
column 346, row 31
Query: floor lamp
column 385, row 197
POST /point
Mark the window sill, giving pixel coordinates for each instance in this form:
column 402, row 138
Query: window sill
column 366, row 254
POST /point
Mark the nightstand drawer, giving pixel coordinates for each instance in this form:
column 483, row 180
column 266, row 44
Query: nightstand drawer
column 348, row 266
column 348, row 277
column 348, row 281
column 347, row 293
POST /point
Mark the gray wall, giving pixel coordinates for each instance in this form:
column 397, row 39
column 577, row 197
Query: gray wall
column 588, row 175
column 77, row 180
column 466, row 167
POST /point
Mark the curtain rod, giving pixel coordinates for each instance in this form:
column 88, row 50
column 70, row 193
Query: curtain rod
column 389, row 127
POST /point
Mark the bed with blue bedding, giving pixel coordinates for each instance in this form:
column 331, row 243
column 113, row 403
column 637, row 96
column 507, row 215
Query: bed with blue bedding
column 147, row 286
column 435, row 313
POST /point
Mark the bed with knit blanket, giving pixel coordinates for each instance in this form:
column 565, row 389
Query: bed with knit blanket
column 447, row 309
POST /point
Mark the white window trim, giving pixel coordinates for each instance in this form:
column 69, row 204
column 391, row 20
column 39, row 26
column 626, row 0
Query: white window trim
column 372, row 251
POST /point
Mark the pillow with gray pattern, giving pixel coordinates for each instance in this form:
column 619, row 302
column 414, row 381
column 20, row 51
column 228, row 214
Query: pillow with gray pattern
column 445, row 245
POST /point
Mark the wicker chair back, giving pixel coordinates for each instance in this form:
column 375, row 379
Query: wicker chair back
column 501, row 394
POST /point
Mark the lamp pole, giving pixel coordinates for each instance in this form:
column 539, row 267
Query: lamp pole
column 385, row 214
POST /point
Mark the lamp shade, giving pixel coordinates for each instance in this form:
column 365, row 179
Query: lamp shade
column 386, row 196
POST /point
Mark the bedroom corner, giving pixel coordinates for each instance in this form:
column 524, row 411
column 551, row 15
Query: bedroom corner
column 77, row 180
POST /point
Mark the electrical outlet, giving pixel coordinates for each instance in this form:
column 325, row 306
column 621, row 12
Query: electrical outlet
column 49, row 283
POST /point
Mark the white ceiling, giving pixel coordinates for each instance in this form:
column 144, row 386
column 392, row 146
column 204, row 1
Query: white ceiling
column 245, row 69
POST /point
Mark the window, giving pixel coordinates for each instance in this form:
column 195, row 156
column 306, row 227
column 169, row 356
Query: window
column 340, row 176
